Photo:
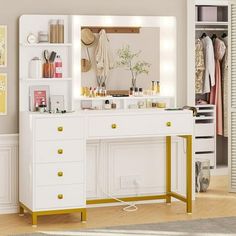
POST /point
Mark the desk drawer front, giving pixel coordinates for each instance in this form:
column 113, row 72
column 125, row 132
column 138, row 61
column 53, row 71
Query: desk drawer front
column 204, row 130
column 204, row 145
column 56, row 197
column 64, row 173
column 59, row 128
column 59, row 151
column 112, row 126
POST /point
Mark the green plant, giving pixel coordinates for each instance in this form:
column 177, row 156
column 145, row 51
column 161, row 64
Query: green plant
column 127, row 60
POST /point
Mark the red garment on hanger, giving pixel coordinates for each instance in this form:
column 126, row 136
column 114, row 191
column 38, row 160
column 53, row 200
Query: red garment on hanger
column 216, row 95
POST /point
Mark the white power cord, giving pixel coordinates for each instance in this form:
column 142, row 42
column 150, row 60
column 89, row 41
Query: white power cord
column 130, row 206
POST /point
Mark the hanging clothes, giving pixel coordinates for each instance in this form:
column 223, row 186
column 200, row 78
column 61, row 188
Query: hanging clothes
column 103, row 56
column 199, row 66
column 209, row 78
column 225, row 87
column 216, row 91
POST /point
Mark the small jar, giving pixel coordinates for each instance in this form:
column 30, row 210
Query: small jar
column 107, row 105
column 35, row 68
column 113, row 105
column 43, row 37
column 42, row 108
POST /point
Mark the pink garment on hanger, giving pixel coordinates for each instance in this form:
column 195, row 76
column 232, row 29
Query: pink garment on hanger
column 216, row 96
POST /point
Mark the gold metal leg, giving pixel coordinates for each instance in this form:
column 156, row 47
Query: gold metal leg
column 189, row 174
column 168, row 169
column 21, row 213
column 34, row 219
column 84, row 215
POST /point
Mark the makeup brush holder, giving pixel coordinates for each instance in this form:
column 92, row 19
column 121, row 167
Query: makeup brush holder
column 48, row 70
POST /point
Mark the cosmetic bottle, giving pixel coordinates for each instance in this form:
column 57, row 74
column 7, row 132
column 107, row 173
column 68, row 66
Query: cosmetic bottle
column 60, row 31
column 107, row 105
column 140, row 92
column 135, row 91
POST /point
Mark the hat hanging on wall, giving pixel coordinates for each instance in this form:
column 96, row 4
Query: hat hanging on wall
column 87, row 37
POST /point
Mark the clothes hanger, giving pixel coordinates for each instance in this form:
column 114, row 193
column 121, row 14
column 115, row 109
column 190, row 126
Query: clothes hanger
column 224, row 35
column 214, row 36
column 203, row 36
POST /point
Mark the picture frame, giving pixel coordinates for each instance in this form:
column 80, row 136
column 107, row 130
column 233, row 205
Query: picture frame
column 57, row 103
column 37, row 95
column 3, row 46
column 3, row 94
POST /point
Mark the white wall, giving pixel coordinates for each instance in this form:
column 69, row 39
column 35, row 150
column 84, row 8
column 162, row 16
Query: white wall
column 147, row 41
column 12, row 9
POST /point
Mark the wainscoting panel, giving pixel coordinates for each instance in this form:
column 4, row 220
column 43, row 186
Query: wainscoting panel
column 8, row 174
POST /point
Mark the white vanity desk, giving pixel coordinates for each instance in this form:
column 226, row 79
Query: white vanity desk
column 53, row 156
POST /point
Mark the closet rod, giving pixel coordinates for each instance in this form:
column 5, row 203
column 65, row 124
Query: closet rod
column 211, row 29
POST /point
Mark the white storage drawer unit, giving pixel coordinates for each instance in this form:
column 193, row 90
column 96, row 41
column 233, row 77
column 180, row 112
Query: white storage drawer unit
column 204, row 145
column 60, row 197
column 204, row 129
column 63, row 173
column 208, row 156
column 118, row 125
column 59, row 128
column 59, row 151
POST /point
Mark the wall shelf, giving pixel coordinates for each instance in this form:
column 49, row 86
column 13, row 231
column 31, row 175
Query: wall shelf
column 46, row 45
column 45, row 79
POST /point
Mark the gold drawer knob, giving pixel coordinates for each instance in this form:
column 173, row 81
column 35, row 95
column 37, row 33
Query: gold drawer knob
column 60, row 129
column 113, row 126
column 168, row 124
column 60, row 151
column 60, row 173
column 60, row 196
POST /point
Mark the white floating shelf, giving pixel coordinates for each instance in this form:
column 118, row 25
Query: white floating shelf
column 45, row 79
column 122, row 98
column 217, row 23
column 46, row 44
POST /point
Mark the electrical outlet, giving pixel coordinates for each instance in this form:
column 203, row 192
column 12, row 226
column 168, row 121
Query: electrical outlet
column 130, row 181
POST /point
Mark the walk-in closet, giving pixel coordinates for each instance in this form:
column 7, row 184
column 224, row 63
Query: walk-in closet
column 211, row 82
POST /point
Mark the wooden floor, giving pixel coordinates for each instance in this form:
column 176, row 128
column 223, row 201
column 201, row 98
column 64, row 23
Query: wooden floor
column 217, row 202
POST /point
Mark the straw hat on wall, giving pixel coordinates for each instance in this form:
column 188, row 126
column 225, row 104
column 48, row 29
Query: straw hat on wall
column 87, row 37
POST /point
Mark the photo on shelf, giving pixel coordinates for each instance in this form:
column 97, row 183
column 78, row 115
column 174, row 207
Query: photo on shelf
column 3, row 45
column 3, row 93
column 57, row 103
column 39, row 95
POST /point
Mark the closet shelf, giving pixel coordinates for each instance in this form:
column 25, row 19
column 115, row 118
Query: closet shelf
column 216, row 23
column 45, row 79
column 46, row 45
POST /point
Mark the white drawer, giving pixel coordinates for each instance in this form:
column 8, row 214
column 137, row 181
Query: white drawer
column 59, row 151
column 204, row 145
column 59, row 128
column 133, row 125
column 49, row 197
column 63, row 173
column 209, row 156
column 204, row 130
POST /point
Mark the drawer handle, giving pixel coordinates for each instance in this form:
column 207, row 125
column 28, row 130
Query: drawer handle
column 168, row 124
column 60, row 196
column 60, row 151
column 60, row 173
column 60, row 129
column 113, row 126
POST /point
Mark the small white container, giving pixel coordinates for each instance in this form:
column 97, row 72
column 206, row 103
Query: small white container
column 35, row 68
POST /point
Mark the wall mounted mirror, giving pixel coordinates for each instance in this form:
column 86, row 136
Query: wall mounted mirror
column 154, row 37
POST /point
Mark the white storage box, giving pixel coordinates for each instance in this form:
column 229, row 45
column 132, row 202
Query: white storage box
column 207, row 13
